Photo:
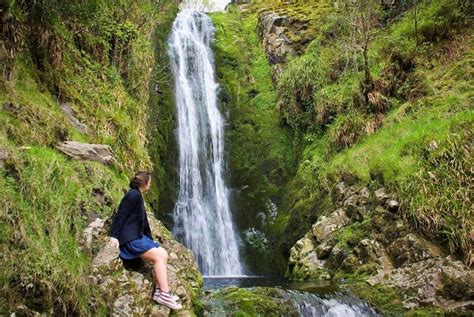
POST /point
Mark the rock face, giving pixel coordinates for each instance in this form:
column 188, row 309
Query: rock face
column 366, row 237
column 128, row 287
column 281, row 36
column 88, row 152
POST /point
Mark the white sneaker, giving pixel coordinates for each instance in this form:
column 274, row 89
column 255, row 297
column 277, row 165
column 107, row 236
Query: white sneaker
column 167, row 301
column 173, row 295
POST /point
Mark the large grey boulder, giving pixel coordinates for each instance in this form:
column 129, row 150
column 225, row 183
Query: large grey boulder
column 88, row 152
column 430, row 282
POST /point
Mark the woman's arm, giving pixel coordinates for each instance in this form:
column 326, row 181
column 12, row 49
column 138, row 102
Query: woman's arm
column 126, row 206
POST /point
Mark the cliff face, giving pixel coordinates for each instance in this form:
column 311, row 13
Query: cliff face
column 374, row 100
column 84, row 100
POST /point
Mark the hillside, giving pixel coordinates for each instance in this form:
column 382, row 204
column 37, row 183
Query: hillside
column 360, row 117
column 92, row 72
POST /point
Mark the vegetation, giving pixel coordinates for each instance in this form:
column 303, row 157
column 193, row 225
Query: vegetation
column 377, row 128
column 96, row 59
column 379, row 97
column 260, row 155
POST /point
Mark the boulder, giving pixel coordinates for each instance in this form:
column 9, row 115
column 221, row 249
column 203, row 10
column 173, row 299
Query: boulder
column 429, row 282
column 322, row 229
column 88, row 152
column 304, row 263
column 411, row 249
column 129, row 286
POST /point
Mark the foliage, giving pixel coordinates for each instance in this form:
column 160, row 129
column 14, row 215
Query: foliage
column 260, row 153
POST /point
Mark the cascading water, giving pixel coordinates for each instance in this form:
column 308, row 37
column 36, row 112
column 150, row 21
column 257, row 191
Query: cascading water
column 202, row 216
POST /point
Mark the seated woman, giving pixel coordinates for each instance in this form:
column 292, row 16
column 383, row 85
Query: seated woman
column 130, row 232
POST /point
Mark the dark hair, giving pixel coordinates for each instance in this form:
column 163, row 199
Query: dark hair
column 140, row 179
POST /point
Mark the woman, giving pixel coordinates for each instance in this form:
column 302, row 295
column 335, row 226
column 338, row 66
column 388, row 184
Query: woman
column 130, row 232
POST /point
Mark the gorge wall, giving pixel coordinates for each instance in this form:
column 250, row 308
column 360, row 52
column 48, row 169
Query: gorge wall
column 349, row 142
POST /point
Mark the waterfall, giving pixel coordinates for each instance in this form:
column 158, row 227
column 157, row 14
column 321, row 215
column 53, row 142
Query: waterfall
column 202, row 216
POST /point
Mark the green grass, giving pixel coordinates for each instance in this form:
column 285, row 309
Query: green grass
column 319, row 94
column 48, row 199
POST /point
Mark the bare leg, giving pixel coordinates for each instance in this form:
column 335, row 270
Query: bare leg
column 159, row 258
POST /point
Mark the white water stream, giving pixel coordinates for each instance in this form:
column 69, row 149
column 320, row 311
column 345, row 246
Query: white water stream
column 202, row 216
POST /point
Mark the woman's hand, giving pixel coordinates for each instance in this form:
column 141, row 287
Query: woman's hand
column 114, row 242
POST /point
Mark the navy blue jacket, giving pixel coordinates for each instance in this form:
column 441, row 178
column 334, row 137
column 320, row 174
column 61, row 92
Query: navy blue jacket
column 130, row 221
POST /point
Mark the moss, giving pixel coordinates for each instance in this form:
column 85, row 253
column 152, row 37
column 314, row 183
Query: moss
column 389, row 302
column 258, row 301
column 260, row 153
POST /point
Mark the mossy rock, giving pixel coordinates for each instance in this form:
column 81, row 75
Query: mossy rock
column 258, row 301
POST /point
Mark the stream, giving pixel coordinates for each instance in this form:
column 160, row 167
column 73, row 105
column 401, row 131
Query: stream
column 203, row 219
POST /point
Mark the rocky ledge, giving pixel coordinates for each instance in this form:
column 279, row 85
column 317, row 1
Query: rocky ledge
column 282, row 36
column 128, row 287
column 367, row 239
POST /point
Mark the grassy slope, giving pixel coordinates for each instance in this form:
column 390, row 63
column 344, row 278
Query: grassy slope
column 47, row 199
column 398, row 154
column 317, row 96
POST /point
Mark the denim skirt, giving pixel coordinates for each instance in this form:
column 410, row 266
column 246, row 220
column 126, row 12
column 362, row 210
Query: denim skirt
column 133, row 248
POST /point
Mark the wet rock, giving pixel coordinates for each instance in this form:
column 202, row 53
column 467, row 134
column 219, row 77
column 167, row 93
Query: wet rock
column 129, row 286
column 327, row 225
column 412, row 248
column 88, row 152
